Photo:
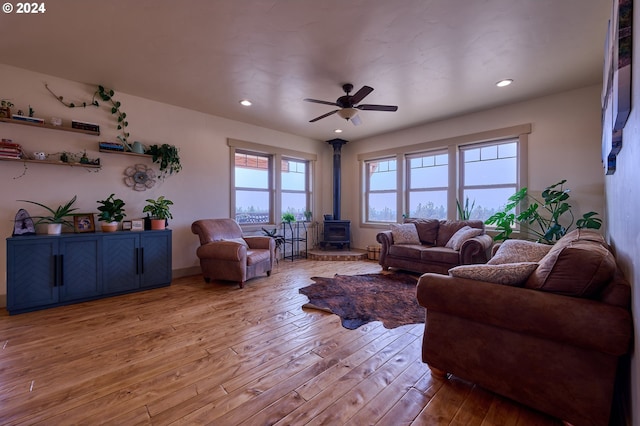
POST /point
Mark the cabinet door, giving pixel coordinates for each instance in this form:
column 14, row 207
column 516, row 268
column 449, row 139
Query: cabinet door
column 32, row 267
column 81, row 268
column 121, row 267
column 156, row 258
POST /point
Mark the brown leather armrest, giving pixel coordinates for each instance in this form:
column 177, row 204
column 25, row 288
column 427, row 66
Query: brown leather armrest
column 260, row 242
column 222, row 250
column 570, row 320
column 475, row 248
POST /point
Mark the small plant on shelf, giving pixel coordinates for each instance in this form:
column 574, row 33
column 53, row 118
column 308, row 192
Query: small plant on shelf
column 56, row 218
column 288, row 217
column 111, row 212
column 158, row 211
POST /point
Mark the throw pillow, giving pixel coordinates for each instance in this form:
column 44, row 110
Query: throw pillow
column 237, row 240
column 405, row 233
column 513, row 274
column 463, row 234
column 512, row 251
column 580, row 268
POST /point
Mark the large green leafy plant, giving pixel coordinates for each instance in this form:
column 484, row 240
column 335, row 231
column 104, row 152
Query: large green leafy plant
column 547, row 220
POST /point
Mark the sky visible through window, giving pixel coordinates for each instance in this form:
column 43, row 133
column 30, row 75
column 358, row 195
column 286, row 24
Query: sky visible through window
column 489, row 179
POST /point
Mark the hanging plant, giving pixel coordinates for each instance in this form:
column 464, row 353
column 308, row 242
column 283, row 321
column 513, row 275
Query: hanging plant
column 167, row 157
column 106, row 95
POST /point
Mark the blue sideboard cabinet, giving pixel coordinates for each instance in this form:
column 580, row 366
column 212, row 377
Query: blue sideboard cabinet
column 51, row 270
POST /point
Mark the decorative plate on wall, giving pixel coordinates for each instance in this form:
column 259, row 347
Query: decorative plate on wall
column 139, row 177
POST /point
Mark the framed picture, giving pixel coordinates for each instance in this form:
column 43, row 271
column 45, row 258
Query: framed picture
column 126, row 225
column 137, row 225
column 83, row 222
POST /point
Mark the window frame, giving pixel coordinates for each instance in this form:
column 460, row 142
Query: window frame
column 518, row 132
column 368, row 191
column 277, row 154
column 409, row 190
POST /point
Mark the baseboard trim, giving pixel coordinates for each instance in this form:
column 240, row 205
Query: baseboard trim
column 186, row 272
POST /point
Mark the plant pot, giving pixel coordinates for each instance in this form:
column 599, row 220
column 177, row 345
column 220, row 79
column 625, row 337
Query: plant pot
column 54, row 228
column 158, row 224
column 109, row 226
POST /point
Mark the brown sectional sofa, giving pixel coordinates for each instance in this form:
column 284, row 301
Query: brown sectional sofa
column 550, row 339
column 430, row 253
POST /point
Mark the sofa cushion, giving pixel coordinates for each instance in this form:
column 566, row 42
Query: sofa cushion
column 449, row 227
column 512, row 251
column 409, row 251
column 513, row 274
column 574, row 267
column 404, row 233
column 256, row 256
column 427, row 229
column 463, row 234
column 440, row 255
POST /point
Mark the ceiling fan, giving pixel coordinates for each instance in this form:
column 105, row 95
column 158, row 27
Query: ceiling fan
column 349, row 104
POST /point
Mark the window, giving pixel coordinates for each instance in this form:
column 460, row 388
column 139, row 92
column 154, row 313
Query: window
column 295, row 187
column 267, row 182
column 253, row 192
column 427, row 185
column 488, row 175
column 381, row 190
column 486, row 168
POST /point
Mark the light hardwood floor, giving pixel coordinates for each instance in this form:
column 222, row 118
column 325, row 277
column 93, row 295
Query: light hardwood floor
column 196, row 353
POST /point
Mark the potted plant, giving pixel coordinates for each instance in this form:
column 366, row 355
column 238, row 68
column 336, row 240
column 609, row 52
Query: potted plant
column 547, row 225
column 288, row 217
column 167, row 156
column 111, row 213
column 158, row 212
column 56, row 218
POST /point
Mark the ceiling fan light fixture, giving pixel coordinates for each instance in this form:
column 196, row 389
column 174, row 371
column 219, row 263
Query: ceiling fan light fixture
column 337, row 131
column 347, row 113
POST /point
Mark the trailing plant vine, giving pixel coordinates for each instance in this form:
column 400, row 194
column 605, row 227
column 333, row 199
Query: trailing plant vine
column 106, row 95
column 165, row 155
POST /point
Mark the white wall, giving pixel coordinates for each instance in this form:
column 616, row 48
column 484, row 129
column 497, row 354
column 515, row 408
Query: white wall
column 200, row 190
column 564, row 144
column 623, row 205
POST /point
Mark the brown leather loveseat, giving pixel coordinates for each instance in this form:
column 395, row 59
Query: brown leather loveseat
column 436, row 246
column 545, row 326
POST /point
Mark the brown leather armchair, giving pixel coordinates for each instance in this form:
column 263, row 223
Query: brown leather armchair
column 226, row 255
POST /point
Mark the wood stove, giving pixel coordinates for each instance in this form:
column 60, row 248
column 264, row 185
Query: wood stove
column 336, row 232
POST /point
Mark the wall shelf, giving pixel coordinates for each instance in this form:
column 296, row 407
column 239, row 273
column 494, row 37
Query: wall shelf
column 53, row 162
column 49, row 126
column 111, row 151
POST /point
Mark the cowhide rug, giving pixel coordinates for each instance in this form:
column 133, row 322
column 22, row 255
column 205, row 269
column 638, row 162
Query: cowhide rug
column 359, row 299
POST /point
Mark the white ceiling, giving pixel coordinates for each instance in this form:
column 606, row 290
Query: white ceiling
column 432, row 58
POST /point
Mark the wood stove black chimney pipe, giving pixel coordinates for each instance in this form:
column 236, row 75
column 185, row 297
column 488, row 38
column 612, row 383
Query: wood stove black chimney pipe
column 337, row 146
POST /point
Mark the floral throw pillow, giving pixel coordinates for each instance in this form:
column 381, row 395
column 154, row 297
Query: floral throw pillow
column 512, row 251
column 512, row 274
column 405, row 233
column 463, row 234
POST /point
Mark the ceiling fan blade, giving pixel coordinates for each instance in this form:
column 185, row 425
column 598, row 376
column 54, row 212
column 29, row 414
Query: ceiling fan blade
column 369, row 107
column 323, row 116
column 356, row 120
column 316, row 101
column 360, row 94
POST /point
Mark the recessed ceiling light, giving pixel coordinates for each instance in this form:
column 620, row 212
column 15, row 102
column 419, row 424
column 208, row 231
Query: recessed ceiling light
column 505, row 82
column 337, row 131
column 245, row 102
